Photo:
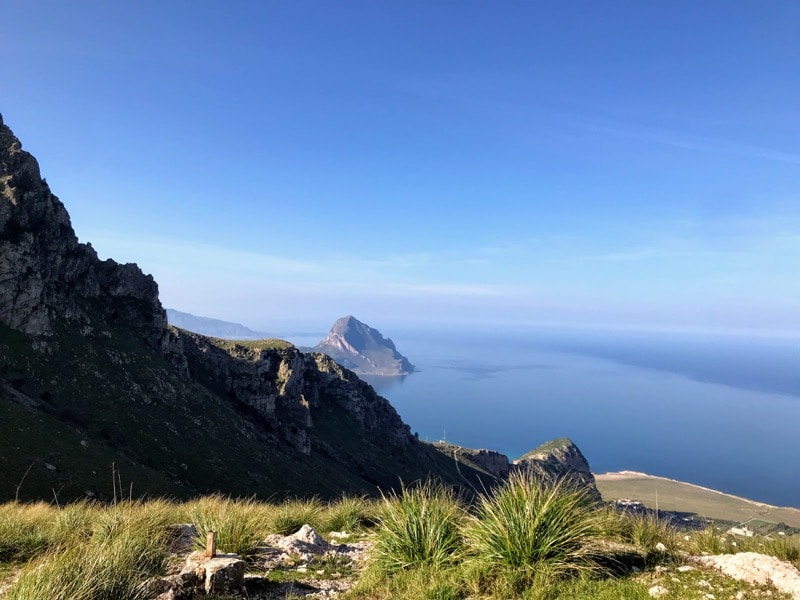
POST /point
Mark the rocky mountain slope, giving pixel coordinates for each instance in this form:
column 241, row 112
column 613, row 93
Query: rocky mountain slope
column 100, row 397
column 551, row 461
column 359, row 347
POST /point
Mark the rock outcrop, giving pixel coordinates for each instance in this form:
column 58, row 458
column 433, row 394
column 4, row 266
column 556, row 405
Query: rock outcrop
column 560, row 458
column 557, row 459
column 494, row 463
column 364, row 350
column 758, row 569
column 285, row 387
column 47, row 277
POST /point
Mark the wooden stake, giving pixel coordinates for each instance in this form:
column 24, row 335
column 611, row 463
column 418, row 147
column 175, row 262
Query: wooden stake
column 211, row 544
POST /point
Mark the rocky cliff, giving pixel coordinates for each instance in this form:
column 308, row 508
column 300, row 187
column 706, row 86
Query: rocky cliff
column 47, row 277
column 559, row 458
column 359, row 347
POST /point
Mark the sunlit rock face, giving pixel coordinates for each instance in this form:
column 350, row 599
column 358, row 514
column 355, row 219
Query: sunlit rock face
column 362, row 349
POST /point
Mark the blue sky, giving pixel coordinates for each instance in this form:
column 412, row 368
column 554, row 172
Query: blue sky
column 281, row 164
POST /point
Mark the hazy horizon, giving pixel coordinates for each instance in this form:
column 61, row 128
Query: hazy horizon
column 625, row 165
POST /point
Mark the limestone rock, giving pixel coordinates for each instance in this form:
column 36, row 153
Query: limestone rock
column 561, row 458
column 758, row 569
column 47, row 276
column 305, row 543
column 491, row 461
column 284, row 386
column 357, row 346
column 220, row 574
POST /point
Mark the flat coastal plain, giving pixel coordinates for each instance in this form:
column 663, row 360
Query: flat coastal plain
column 678, row 496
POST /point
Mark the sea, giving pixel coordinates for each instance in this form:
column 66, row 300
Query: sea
column 717, row 410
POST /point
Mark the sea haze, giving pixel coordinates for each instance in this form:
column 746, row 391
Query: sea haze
column 719, row 411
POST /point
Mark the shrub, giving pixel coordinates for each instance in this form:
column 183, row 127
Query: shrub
column 418, row 527
column 528, row 526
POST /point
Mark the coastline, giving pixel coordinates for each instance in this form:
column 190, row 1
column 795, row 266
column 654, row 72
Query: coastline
column 655, row 491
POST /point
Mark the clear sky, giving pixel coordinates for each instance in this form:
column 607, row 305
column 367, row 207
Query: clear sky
column 465, row 162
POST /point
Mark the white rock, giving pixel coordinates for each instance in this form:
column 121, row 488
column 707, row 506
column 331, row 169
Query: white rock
column 757, row 568
column 661, row 547
column 657, row 591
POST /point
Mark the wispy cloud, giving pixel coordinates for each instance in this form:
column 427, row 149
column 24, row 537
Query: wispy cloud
column 678, row 139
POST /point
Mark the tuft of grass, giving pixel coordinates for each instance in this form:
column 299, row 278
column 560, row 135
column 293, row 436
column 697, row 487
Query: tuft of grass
column 349, row 513
column 658, row 538
column 418, row 527
column 240, row 524
column 421, row 583
column 528, row 526
column 127, row 544
column 25, row 530
column 710, row 540
column 783, row 547
column 290, row 515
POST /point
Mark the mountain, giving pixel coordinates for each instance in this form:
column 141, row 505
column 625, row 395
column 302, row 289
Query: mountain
column 100, row 397
column 212, row 327
column 363, row 349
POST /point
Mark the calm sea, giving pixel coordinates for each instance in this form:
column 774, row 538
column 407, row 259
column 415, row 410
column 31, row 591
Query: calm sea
column 718, row 411
column 722, row 411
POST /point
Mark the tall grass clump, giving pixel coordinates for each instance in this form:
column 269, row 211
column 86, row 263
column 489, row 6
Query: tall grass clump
column 290, row 515
column 240, row 524
column 420, row 526
column 711, row 540
column 784, row 547
column 647, row 532
column 127, row 544
column 528, row 527
column 25, row 530
column 348, row 513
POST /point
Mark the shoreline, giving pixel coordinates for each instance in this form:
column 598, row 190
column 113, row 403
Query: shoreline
column 690, row 497
column 616, row 475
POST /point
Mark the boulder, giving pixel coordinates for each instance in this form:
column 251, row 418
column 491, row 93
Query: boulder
column 222, row 573
column 305, row 543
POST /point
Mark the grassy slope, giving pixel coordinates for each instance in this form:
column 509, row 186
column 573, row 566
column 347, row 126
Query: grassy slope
column 684, row 497
column 166, row 434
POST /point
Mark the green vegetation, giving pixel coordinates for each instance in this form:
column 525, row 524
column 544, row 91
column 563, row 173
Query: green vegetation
column 524, row 540
column 239, row 524
column 291, row 515
column 418, row 527
column 548, row 447
column 125, row 544
column 527, row 526
column 265, row 344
